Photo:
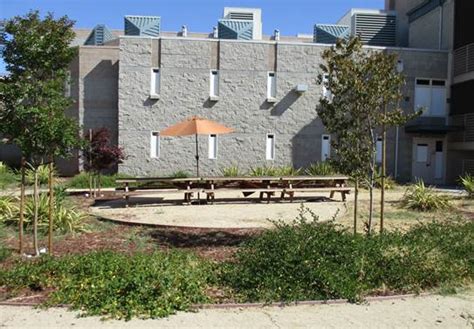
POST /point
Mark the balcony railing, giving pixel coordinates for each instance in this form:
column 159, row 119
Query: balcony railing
column 464, row 59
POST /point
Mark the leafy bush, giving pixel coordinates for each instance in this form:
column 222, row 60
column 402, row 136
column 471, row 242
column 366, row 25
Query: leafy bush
column 116, row 285
column 43, row 175
column 310, row 260
column 81, row 180
column 66, row 217
column 180, row 174
column 467, row 183
column 323, row 168
column 232, row 171
column 4, row 253
column 263, row 171
column 390, row 183
column 7, row 176
column 424, row 198
column 287, row 171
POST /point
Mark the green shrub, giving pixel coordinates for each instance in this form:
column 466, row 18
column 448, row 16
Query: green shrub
column 117, row 285
column 467, row 183
column 263, row 171
column 7, row 176
column 423, row 198
column 180, row 174
column 66, row 217
column 81, row 180
column 323, row 168
column 232, row 171
column 287, row 171
column 43, row 175
column 4, row 253
column 310, row 260
column 390, row 183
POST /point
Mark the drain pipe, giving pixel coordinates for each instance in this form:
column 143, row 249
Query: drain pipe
column 440, row 32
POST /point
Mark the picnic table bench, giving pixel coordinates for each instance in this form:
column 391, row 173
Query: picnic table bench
column 266, row 186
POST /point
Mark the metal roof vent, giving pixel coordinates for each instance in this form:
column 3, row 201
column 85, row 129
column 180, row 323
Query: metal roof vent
column 276, row 35
column 98, row 36
column 143, row 25
column 184, row 31
column 215, row 34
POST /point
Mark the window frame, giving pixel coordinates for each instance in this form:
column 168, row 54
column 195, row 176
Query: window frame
column 155, row 145
column 271, row 85
column 214, row 84
column 154, row 89
column 440, row 84
column 213, row 155
column 273, row 147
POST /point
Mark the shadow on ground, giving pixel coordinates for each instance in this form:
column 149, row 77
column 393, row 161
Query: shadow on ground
column 200, row 238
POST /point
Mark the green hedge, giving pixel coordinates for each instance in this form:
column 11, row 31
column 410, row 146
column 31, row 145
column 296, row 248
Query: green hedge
column 117, row 285
column 310, row 260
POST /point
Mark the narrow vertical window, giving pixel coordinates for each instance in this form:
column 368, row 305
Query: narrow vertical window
column 271, row 85
column 326, row 92
column 439, row 159
column 378, row 149
column 155, row 82
column 270, row 148
column 214, row 86
column 67, row 84
column 155, row 145
column 325, row 147
column 212, row 146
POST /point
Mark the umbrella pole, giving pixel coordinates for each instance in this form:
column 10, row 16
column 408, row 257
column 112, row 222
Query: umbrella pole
column 197, row 165
column 197, row 156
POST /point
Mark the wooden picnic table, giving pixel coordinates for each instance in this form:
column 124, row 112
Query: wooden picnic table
column 264, row 185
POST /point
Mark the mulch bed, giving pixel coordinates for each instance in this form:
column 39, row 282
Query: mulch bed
column 214, row 244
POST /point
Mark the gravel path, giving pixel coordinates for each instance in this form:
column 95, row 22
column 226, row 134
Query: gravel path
column 420, row 312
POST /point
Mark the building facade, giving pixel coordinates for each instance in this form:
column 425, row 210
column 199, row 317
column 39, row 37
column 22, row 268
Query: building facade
column 266, row 88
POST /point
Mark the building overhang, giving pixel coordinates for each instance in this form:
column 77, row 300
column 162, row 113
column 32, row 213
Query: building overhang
column 431, row 129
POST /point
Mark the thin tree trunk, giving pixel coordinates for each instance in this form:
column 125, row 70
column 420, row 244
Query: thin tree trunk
column 90, row 184
column 22, row 206
column 356, row 197
column 35, row 216
column 98, row 184
column 383, row 173
column 371, row 207
column 50, row 207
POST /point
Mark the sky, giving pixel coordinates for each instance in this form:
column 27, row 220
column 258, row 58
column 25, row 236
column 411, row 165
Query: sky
column 289, row 16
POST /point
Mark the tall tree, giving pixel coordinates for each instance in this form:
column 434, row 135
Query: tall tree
column 37, row 54
column 365, row 89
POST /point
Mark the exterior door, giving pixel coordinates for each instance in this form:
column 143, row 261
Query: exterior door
column 428, row 160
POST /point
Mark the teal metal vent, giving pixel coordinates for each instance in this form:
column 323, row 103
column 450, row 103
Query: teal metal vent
column 235, row 29
column 329, row 33
column 99, row 35
column 142, row 25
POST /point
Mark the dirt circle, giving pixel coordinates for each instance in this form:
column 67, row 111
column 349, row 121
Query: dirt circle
column 229, row 211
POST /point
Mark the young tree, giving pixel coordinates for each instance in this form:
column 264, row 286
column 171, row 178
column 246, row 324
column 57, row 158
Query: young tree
column 37, row 54
column 365, row 89
column 100, row 155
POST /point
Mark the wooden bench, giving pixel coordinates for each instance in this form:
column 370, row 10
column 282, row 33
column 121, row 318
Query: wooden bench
column 343, row 190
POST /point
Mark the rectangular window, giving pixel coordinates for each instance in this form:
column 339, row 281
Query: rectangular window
column 325, row 147
column 378, row 147
column 213, row 146
column 326, row 93
column 421, row 152
column 67, row 84
column 439, row 157
column 155, row 81
column 271, row 85
column 430, row 95
column 155, row 145
column 214, row 85
column 270, row 150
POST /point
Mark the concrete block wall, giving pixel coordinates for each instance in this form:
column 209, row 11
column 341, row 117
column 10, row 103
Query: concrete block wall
column 243, row 66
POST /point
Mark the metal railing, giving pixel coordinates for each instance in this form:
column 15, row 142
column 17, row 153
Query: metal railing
column 464, row 59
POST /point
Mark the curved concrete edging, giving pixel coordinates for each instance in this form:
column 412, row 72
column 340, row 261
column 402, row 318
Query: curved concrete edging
column 260, row 305
column 125, row 222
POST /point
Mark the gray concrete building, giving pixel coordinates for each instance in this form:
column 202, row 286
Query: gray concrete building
column 137, row 85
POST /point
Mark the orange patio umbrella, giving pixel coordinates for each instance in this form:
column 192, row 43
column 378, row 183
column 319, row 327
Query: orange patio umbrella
column 196, row 126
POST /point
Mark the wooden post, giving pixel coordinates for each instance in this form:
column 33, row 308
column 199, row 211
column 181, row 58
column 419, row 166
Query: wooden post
column 356, row 195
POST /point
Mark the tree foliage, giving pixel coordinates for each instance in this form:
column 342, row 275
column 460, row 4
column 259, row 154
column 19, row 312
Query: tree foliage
column 100, row 154
column 364, row 93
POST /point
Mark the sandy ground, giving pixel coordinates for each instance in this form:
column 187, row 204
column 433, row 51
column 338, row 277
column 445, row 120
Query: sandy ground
column 229, row 211
column 420, row 312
